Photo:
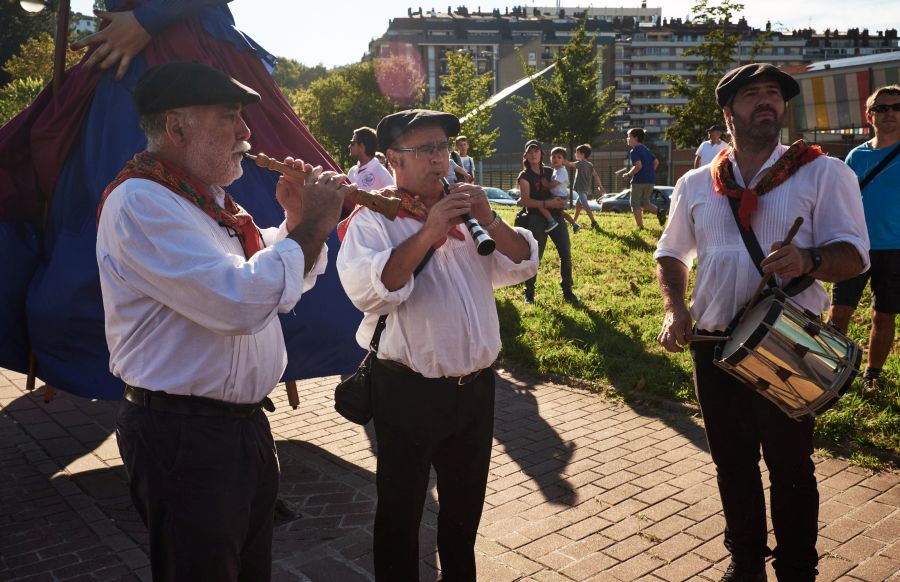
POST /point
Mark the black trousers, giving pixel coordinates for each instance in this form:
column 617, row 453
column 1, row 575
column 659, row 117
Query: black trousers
column 420, row 423
column 205, row 487
column 738, row 422
column 560, row 237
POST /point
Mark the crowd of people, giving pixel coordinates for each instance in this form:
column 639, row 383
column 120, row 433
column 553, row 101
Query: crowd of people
column 192, row 288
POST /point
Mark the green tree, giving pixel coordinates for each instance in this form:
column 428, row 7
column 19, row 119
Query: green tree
column 466, row 97
column 291, row 75
column 16, row 95
column 18, row 26
column 333, row 106
column 30, row 70
column 568, row 106
column 717, row 52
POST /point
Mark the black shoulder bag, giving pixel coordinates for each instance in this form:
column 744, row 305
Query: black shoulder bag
column 353, row 396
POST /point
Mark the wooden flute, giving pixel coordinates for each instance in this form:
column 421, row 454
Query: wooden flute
column 377, row 202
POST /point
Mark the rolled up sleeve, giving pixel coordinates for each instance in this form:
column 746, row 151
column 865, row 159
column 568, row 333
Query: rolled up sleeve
column 678, row 239
column 364, row 252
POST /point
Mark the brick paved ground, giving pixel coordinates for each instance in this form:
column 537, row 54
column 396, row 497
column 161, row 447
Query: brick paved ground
column 580, row 489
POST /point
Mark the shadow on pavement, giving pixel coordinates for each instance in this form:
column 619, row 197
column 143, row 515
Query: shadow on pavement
column 329, row 539
column 605, row 340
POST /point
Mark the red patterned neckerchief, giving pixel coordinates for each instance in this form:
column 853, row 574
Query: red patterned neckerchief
column 797, row 156
column 411, row 206
column 232, row 217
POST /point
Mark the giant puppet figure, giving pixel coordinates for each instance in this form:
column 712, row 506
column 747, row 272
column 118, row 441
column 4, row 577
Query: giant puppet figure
column 61, row 152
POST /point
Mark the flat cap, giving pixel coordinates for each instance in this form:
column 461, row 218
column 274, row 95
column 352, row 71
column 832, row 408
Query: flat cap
column 392, row 126
column 184, row 84
column 737, row 78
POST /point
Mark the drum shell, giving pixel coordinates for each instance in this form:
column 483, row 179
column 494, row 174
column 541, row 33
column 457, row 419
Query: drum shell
column 791, row 357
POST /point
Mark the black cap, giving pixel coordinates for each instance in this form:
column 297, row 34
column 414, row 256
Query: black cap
column 183, row 84
column 530, row 143
column 392, row 126
column 718, row 128
column 737, row 78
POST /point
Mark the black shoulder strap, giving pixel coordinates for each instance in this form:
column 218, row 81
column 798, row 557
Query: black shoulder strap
column 881, row 165
column 795, row 285
column 382, row 321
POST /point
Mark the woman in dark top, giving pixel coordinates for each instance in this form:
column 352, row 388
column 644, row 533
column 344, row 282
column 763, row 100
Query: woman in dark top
column 534, row 184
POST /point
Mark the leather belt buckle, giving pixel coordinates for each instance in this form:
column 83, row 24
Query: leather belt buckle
column 468, row 378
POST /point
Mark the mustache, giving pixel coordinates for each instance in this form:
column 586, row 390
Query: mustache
column 764, row 109
column 241, row 148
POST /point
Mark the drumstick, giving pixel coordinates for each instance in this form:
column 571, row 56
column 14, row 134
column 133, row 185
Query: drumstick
column 765, row 280
column 377, row 202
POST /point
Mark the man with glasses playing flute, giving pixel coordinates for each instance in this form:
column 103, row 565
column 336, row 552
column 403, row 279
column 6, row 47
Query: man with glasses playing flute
column 191, row 293
column 432, row 382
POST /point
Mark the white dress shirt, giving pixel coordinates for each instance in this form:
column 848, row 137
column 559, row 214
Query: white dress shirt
column 370, row 176
column 444, row 321
column 824, row 192
column 708, row 150
column 185, row 312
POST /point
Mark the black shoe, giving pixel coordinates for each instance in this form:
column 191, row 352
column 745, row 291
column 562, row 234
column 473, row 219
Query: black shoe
column 595, row 227
column 529, row 299
column 735, row 573
column 661, row 216
column 871, row 385
column 572, row 299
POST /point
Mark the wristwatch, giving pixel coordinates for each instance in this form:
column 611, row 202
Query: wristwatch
column 816, row 257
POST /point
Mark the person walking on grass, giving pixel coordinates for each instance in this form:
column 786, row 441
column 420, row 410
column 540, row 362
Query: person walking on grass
column 642, row 175
column 585, row 179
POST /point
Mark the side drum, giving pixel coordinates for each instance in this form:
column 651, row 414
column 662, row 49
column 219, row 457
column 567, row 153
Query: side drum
column 790, row 357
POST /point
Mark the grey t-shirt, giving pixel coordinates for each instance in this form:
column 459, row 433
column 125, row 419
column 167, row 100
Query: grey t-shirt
column 584, row 177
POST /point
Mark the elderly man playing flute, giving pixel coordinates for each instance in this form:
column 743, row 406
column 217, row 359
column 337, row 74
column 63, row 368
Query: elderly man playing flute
column 192, row 290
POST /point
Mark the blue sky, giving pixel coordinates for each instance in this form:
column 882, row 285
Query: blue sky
column 305, row 32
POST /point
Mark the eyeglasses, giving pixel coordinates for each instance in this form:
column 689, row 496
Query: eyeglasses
column 429, row 149
column 884, row 108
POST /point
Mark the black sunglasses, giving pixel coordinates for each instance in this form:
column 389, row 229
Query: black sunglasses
column 884, row 108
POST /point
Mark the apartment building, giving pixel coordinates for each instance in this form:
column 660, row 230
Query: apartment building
column 637, row 44
column 645, row 55
column 500, row 42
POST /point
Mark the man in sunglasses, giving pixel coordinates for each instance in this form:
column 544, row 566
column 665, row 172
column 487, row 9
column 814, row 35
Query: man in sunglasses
column 881, row 202
column 432, row 382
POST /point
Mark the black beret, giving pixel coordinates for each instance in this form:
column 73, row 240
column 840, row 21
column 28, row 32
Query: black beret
column 391, row 127
column 737, row 78
column 532, row 143
column 183, row 84
column 716, row 128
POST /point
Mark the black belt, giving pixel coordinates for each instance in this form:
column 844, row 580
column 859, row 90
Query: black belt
column 454, row 380
column 197, row 405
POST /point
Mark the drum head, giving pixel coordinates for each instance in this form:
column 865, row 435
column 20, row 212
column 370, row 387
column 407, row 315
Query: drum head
column 751, row 331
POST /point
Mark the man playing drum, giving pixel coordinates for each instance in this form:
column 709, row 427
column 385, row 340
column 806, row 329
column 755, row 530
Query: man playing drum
column 774, row 185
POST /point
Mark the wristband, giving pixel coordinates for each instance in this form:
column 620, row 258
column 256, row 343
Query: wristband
column 494, row 223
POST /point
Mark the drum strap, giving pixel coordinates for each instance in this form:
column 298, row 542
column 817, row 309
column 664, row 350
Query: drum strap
column 795, row 285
